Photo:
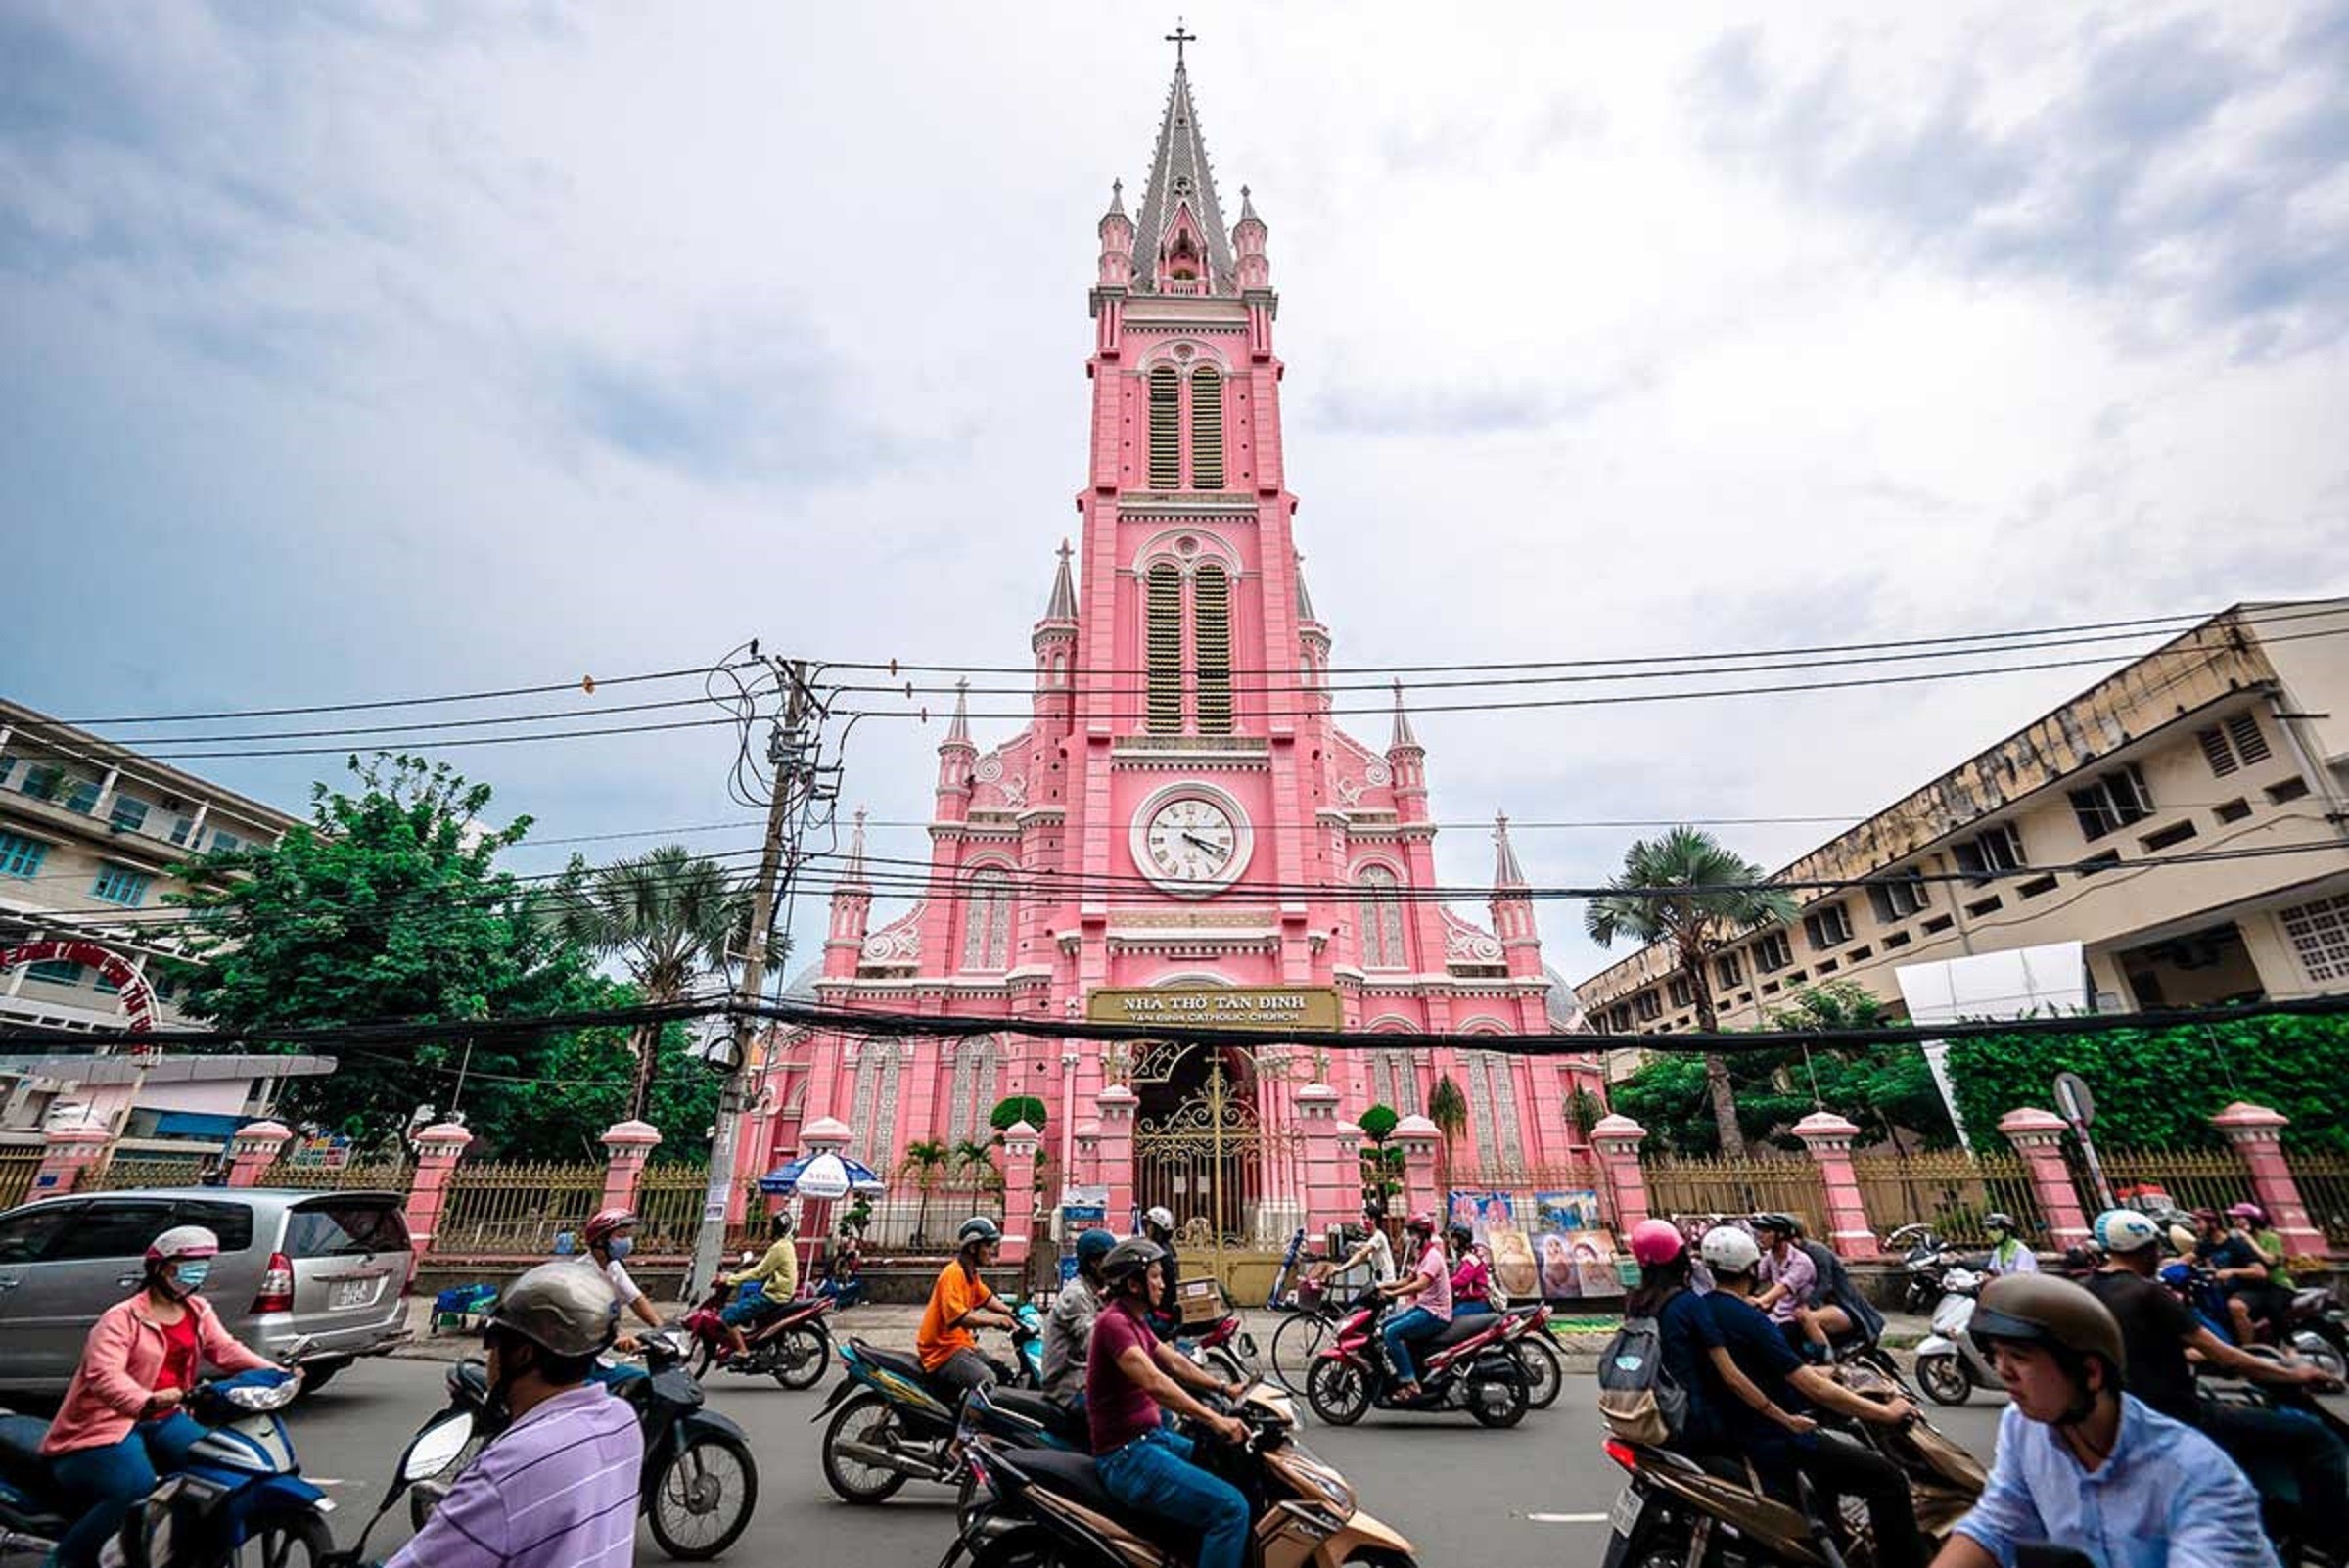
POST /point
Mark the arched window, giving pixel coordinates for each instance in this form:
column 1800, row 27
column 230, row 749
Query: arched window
column 1379, row 914
column 1207, row 429
column 1163, row 638
column 972, row 1098
column 1491, row 1109
column 986, row 919
column 873, row 1113
column 1211, row 647
column 1166, row 428
column 1395, row 1081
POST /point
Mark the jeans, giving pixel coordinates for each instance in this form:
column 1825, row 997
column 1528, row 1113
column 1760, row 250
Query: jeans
column 1155, row 1475
column 1469, row 1309
column 106, row 1483
column 2271, row 1444
column 1404, row 1327
column 962, row 1372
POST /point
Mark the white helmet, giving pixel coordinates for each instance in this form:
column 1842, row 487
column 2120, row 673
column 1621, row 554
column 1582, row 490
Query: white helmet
column 1729, row 1250
column 2120, row 1230
column 1161, row 1216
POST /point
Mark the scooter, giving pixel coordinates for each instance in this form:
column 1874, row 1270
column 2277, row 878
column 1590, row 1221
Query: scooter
column 1469, row 1364
column 699, row 1484
column 890, row 1423
column 791, row 1344
column 229, row 1477
column 1036, row 1506
column 1924, row 1259
column 1949, row 1365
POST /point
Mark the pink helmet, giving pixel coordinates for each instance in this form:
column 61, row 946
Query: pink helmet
column 2248, row 1210
column 605, row 1223
column 1656, row 1241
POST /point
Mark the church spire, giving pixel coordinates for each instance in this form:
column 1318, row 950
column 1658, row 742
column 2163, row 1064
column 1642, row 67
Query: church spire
column 1179, row 243
column 852, row 874
column 958, row 732
column 1305, row 600
column 1064, row 590
column 1403, row 736
column 1507, row 873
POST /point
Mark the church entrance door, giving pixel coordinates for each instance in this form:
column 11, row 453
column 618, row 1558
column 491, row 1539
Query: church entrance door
column 1203, row 1150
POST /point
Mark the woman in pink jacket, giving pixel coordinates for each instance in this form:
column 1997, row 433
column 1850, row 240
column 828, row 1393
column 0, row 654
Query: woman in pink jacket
column 142, row 1359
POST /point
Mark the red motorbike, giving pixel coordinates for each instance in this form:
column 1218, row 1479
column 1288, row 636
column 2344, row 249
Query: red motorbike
column 1471, row 1364
column 789, row 1341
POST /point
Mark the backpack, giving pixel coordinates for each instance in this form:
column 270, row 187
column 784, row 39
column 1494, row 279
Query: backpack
column 1637, row 1399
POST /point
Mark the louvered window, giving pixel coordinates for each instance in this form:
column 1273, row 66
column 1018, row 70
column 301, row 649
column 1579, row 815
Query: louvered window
column 1380, row 913
column 1206, row 430
column 1395, row 1081
column 1163, row 634
column 973, row 1091
column 2236, row 744
column 987, row 921
column 1211, row 648
column 1165, row 429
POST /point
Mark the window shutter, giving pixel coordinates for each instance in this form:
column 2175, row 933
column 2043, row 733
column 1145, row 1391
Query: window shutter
column 1211, row 648
column 1163, row 638
column 1206, row 430
column 1165, row 429
column 2250, row 744
column 2216, row 752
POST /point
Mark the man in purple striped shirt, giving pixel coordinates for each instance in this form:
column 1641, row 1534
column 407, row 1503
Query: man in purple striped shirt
column 557, row 1489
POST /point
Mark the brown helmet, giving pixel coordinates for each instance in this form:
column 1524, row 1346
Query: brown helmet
column 2045, row 1309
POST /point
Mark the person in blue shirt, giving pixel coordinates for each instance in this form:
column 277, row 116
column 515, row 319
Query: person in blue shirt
column 2083, row 1464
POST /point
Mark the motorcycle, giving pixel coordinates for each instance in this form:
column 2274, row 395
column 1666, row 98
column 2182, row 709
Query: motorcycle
column 2318, row 1327
column 1225, row 1348
column 1470, row 1363
column 1924, row 1262
column 1036, row 1506
column 699, row 1484
column 890, row 1423
column 1692, row 1512
column 1949, row 1364
column 2300, row 1529
column 790, row 1342
column 228, row 1473
column 1537, row 1354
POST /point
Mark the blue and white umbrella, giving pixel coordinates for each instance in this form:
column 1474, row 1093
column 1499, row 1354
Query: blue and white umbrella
column 824, row 1175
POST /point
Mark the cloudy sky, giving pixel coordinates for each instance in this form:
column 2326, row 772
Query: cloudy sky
column 365, row 352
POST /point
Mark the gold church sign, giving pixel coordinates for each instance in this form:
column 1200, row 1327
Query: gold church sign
column 1276, row 1008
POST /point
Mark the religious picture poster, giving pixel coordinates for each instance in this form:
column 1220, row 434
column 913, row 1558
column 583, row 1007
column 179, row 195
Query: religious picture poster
column 1492, row 1218
column 1576, row 1251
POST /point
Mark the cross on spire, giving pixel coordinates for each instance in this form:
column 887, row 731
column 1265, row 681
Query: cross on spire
column 1178, row 37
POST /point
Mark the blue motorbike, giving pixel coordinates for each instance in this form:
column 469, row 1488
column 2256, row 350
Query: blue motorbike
column 231, row 1489
column 890, row 1423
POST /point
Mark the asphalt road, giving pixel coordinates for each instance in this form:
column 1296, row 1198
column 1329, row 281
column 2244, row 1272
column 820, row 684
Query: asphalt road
column 1534, row 1497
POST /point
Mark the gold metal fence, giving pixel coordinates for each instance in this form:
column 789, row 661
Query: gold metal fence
column 391, row 1176
column 1951, row 1190
column 2194, row 1178
column 16, row 1171
column 1684, row 1186
column 2322, row 1178
column 669, row 1207
column 118, row 1175
column 516, row 1210
column 914, row 1219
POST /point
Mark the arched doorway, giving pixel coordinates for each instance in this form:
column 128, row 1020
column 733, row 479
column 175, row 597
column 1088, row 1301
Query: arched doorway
column 1202, row 1148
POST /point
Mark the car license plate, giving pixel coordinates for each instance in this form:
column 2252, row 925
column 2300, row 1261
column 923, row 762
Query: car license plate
column 359, row 1292
column 1626, row 1512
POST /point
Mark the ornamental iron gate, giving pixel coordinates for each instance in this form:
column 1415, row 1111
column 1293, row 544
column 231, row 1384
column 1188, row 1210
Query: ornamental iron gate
column 1223, row 1158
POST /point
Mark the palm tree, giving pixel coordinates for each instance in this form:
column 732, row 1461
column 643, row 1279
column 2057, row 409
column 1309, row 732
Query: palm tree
column 1448, row 1108
column 976, row 1159
column 1684, row 891
column 670, row 918
column 923, row 1162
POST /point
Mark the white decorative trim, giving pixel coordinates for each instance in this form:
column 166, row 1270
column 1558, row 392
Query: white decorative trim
column 1160, row 546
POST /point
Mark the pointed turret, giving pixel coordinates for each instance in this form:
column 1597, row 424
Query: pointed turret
column 1407, row 761
column 958, row 729
column 1062, row 603
column 1512, row 904
column 1403, row 736
column 956, row 757
column 852, row 911
column 1304, row 601
column 1055, row 644
column 1254, row 269
column 1507, row 873
column 1180, row 245
column 1116, row 240
column 1313, row 638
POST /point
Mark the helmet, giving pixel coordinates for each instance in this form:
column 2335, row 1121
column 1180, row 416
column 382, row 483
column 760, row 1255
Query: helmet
column 2209, row 1217
column 1093, row 1245
column 1460, row 1234
column 1160, row 1218
column 2120, row 1230
column 1997, row 1219
column 605, row 1223
column 2248, row 1211
column 1420, row 1224
column 1656, row 1241
column 978, row 1230
column 1133, row 1256
column 2043, row 1309
column 1729, row 1250
column 182, row 1241
column 1784, row 1224
column 565, row 1307
column 784, row 1223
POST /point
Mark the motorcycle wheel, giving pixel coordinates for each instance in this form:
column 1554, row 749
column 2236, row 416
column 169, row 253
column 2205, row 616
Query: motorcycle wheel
column 800, row 1358
column 301, row 1541
column 1508, row 1412
column 866, row 1418
column 1944, row 1379
column 1545, row 1373
column 705, row 1359
column 1373, row 1558
column 1296, row 1348
column 702, row 1499
column 1337, row 1387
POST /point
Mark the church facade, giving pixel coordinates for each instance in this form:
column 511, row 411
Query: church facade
column 1182, row 828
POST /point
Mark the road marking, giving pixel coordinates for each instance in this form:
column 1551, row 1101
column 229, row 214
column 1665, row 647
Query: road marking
column 1567, row 1518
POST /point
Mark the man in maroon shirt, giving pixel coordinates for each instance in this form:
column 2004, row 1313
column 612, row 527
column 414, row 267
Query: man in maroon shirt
column 1129, row 1375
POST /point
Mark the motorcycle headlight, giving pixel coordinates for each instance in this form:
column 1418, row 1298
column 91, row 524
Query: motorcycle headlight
column 1323, row 1480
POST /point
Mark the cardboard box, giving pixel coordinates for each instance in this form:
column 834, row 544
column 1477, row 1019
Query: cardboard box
column 1199, row 1301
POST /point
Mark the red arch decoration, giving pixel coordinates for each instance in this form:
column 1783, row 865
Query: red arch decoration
column 138, row 997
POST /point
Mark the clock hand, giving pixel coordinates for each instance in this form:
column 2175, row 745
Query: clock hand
column 1203, row 844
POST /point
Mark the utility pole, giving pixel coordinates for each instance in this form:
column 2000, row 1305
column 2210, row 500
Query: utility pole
column 792, row 760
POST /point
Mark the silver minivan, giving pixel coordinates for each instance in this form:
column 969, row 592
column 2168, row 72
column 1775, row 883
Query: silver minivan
column 331, row 1268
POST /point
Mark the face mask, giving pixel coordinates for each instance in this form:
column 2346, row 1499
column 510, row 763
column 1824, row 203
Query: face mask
column 186, row 1279
column 619, row 1247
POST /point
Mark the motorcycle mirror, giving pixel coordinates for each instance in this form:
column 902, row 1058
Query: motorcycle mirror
column 434, row 1448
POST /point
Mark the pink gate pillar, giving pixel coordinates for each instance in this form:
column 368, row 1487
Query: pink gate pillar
column 67, row 1150
column 2039, row 1136
column 1086, row 1169
column 439, row 1148
column 1617, row 1138
column 1828, row 1138
column 254, row 1150
column 1116, row 1103
column 1418, row 1135
column 1349, row 1147
column 627, row 1146
column 1019, row 1190
column 2255, row 1129
column 1326, row 1180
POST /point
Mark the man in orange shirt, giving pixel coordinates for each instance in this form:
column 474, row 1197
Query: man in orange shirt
column 958, row 1303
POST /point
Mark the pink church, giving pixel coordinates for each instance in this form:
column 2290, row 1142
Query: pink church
column 1181, row 816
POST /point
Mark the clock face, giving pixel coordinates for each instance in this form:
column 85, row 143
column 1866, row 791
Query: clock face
column 1192, row 846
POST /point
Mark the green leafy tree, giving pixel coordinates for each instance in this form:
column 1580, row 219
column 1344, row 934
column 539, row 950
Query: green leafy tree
column 388, row 904
column 669, row 917
column 1688, row 893
column 580, row 1085
column 1448, row 1108
column 1583, row 1111
column 924, row 1161
column 1381, row 1165
column 1012, row 1111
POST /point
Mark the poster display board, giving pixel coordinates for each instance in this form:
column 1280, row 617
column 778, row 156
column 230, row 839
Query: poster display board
column 1550, row 1245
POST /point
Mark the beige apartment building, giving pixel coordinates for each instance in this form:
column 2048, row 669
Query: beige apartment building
column 2184, row 820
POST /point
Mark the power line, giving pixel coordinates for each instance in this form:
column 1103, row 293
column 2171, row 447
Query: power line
column 588, row 682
